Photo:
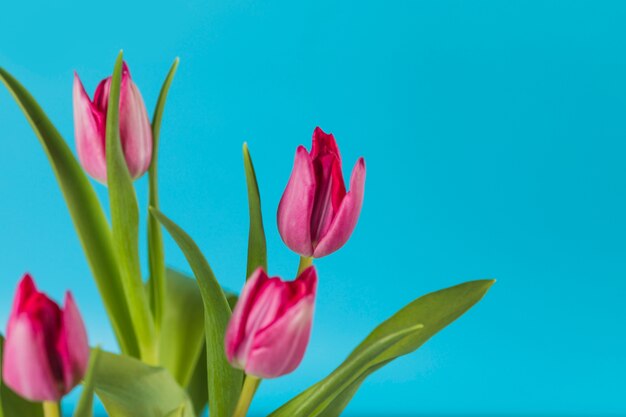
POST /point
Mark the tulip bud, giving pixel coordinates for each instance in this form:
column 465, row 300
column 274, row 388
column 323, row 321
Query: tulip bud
column 90, row 127
column 46, row 349
column 316, row 215
column 269, row 330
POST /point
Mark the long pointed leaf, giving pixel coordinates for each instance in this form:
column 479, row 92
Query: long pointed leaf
column 156, row 254
column 86, row 212
column 434, row 311
column 84, row 408
column 223, row 380
column 125, row 223
column 197, row 388
column 257, row 250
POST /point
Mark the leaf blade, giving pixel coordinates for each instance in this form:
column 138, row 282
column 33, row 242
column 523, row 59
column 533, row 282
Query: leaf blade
column 224, row 382
column 257, row 248
column 181, row 339
column 156, row 256
column 84, row 408
column 125, row 223
column 128, row 387
column 434, row 311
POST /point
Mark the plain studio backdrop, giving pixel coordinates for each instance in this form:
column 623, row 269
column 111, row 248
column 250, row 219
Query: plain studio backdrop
column 495, row 140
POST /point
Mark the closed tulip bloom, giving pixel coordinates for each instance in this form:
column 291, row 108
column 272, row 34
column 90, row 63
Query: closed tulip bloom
column 316, row 215
column 270, row 327
column 90, row 127
column 46, row 349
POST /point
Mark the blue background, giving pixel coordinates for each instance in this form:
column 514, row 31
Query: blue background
column 494, row 134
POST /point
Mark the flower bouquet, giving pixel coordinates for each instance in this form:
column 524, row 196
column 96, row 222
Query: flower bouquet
column 185, row 342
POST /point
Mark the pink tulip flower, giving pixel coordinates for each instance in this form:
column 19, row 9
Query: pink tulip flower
column 269, row 330
column 90, row 127
column 316, row 215
column 46, row 349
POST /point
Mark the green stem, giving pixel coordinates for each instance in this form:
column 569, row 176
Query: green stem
column 51, row 409
column 250, row 386
column 305, row 262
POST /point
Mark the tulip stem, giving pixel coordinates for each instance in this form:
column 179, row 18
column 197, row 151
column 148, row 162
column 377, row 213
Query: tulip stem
column 51, row 409
column 305, row 262
column 250, row 385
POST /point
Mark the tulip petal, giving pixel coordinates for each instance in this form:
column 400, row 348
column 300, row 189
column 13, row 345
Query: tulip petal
column 25, row 290
column 347, row 216
column 135, row 129
column 89, row 129
column 235, row 332
column 296, row 205
column 324, row 144
column 101, row 96
column 329, row 195
column 279, row 349
column 25, row 366
column 73, row 344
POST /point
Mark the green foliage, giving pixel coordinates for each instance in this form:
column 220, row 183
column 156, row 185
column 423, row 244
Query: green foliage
column 156, row 256
column 182, row 319
column 86, row 212
column 182, row 333
column 182, row 346
column 257, row 250
column 84, row 408
column 433, row 311
column 125, row 223
column 224, row 382
column 130, row 388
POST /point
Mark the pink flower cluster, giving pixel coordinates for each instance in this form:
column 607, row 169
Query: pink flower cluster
column 46, row 350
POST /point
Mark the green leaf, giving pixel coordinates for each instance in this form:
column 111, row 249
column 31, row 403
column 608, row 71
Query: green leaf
column 11, row 404
column 84, row 408
column 179, row 412
column 198, row 388
column 340, row 402
column 130, row 388
column 86, row 212
column 156, row 256
column 224, row 381
column 125, row 223
column 434, row 311
column 182, row 333
column 182, row 340
column 257, row 250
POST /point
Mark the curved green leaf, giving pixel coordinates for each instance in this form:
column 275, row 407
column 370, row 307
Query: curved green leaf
column 198, row 388
column 257, row 250
column 224, row 381
column 351, row 371
column 182, row 335
column 434, row 311
column 130, row 388
column 156, row 256
column 84, row 408
column 125, row 223
column 86, row 212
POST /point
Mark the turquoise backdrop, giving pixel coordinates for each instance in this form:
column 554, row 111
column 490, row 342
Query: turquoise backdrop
column 495, row 139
